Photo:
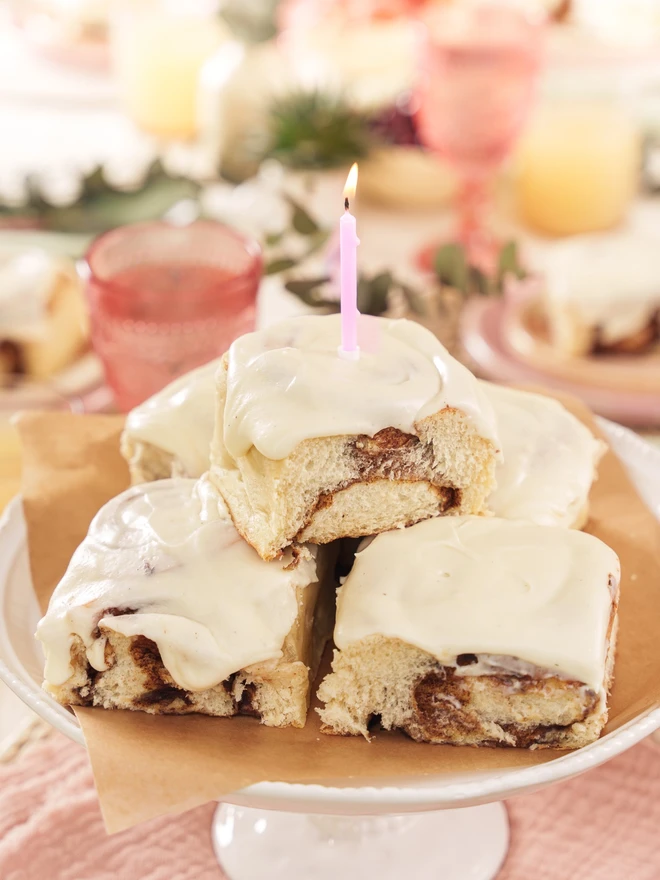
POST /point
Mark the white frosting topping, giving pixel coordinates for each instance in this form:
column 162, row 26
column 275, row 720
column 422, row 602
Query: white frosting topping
column 610, row 280
column 549, row 456
column 25, row 283
column 287, row 383
column 180, row 419
column 169, row 552
column 480, row 585
column 550, row 459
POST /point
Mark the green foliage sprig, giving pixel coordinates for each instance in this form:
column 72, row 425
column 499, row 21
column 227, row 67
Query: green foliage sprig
column 306, row 226
column 373, row 293
column 314, row 130
column 452, row 268
column 101, row 206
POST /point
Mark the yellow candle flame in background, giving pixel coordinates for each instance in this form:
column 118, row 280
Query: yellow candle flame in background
column 351, row 182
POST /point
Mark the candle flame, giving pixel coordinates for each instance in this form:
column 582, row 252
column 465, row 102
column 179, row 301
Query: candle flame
column 351, row 184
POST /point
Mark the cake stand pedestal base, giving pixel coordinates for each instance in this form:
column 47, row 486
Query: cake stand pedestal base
column 464, row 844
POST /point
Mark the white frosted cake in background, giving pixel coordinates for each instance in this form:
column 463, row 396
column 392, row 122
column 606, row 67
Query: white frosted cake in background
column 476, row 631
column 602, row 292
column 312, row 447
column 165, row 609
column 549, row 460
column 43, row 315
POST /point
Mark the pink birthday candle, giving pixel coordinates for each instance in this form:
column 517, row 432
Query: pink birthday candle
column 348, row 242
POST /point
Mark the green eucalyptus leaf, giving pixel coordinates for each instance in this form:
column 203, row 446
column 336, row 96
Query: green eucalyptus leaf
column 381, row 283
column 451, row 266
column 273, row 238
column 95, row 183
column 364, row 296
column 302, row 222
column 301, row 287
column 279, row 265
column 414, row 299
column 307, row 296
column 317, row 240
column 509, row 263
column 478, row 282
column 372, row 293
column 508, row 258
column 309, row 292
column 379, row 289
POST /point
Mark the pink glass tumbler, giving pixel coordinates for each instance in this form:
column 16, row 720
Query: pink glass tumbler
column 165, row 299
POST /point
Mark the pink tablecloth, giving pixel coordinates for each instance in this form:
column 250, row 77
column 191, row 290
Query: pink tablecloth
column 601, row 826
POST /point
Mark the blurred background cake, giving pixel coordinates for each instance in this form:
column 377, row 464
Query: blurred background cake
column 43, row 317
column 602, row 293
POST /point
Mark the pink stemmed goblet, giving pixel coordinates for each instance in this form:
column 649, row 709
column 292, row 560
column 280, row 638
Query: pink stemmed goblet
column 478, row 70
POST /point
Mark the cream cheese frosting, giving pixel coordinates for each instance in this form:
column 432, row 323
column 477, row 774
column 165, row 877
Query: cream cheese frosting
column 550, row 459
column 480, row 585
column 611, row 281
column 287, row 383
column 180, row 419
column 549, row 456
column 26, row 279
column 168, row 553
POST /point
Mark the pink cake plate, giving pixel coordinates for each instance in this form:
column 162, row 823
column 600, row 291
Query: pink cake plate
column 485, row 333
column 452, row 827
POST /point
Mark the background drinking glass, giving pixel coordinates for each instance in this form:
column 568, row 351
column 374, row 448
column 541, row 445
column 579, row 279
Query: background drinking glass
column 158, row 50
column 478, row 69
column 578, row 163
column 164, row 299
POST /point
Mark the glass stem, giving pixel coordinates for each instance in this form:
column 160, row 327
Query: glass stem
column 471, row 205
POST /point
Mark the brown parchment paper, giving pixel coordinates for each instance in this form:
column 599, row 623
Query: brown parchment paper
column 145, row 766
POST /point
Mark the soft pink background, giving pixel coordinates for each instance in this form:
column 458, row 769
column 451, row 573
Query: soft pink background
column 601, row 826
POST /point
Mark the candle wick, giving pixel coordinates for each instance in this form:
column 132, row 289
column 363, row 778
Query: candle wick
column 346, row 203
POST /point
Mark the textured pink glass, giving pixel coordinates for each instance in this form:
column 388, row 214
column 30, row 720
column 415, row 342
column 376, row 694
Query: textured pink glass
column 478, row 71
column 165, row 299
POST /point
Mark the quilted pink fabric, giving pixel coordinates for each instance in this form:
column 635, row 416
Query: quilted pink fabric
column 601, row 826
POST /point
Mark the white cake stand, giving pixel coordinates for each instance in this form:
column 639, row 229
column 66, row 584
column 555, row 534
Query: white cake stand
column 408, row 828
